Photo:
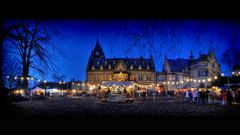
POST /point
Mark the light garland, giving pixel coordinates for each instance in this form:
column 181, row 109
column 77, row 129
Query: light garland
column 27, row 78
column 184, row 81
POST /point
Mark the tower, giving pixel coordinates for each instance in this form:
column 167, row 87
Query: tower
column 97, row 51
column 191, row 57
column 166, row 67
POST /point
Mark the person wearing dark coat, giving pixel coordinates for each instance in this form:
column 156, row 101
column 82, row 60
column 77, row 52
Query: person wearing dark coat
column 229, row 97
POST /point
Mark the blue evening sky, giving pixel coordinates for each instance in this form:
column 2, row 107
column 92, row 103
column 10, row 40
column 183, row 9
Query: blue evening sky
column 116, row 38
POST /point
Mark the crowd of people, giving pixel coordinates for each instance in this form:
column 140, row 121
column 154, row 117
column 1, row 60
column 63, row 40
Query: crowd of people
column 210, row 96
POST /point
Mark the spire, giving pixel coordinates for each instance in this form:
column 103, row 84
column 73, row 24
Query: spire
column 166, row 67
column 165, row 57
column 191, row 57
column 210, row 50
column 97, row 51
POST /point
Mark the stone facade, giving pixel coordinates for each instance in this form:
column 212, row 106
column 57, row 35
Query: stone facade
column 179, row 73
column 101, row 69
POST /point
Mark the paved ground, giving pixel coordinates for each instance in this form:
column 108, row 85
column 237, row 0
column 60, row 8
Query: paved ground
column 88, row 111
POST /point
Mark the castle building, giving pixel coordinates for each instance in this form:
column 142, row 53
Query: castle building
column 123, row 73
column 185, row 73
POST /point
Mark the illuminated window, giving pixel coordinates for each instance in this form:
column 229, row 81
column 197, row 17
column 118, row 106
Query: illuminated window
column 140, row 67
column 148, row 67
column 131, row 67
column 98, row 62
column 101, row 67
column 93, row 67
column 109, row 67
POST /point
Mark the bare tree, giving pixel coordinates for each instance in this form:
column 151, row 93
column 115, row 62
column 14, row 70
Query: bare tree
column 58, row 77
column 11, row 70
column 231, row 56
column 31, row 41
column 151, row 36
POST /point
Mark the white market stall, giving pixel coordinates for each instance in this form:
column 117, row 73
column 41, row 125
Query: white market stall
column 38, row 91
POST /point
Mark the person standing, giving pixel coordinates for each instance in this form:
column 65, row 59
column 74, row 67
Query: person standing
column 229, row 97
column 187, row 95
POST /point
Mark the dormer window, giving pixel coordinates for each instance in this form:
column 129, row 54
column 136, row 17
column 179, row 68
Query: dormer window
column 109, row 67
column 131, row 67
column 140, row 67
column 101, row 67
column 93, row 68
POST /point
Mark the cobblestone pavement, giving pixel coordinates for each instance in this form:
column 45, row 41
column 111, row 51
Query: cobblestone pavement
column 163, row 110
column 90, row 106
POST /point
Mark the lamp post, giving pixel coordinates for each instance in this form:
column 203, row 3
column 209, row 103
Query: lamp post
column 60, row 82
column 45, row 83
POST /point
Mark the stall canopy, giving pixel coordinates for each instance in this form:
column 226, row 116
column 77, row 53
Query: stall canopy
column 38, row 91
column 110, row 83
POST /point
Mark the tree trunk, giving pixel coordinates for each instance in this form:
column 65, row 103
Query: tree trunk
column 25, row 75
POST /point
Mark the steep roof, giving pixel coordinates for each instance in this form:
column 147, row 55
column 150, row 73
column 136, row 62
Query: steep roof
column 203, row 57
column 178, row 64
column 97, row 51
column 127, row 62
